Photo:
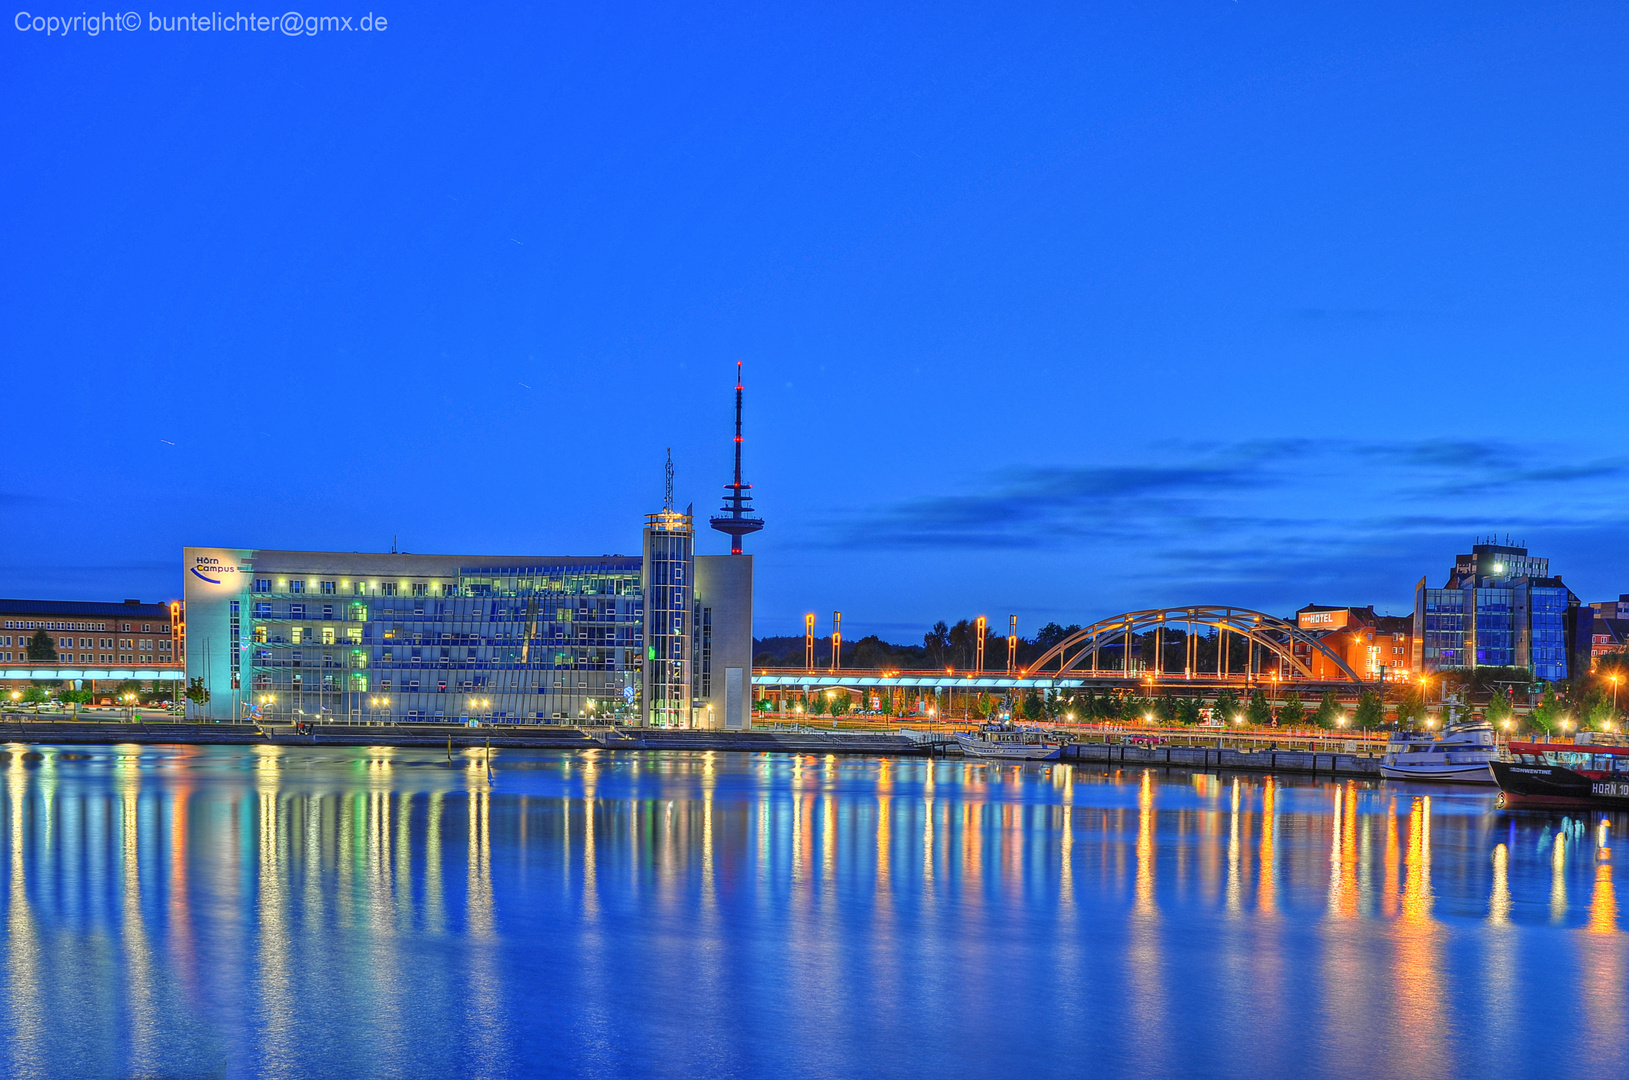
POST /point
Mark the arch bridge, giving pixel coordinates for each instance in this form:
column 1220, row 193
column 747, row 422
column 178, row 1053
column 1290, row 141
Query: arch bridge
column 1105, row 647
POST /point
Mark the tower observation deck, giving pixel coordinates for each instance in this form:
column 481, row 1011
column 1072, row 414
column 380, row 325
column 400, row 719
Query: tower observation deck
column 736, row 516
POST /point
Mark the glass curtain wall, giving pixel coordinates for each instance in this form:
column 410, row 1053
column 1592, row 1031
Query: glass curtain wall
column 669, row 594
column 1549, row 608
column 1444, row 612
column 556, row 643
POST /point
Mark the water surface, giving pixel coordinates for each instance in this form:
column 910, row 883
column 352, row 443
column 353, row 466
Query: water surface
column 370, row 912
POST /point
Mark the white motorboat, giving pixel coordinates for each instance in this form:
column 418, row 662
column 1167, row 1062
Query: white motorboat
column 1459, row 754
column 1012, row 743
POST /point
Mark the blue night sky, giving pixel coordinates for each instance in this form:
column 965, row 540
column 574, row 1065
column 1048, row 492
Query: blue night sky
column 1056, row 310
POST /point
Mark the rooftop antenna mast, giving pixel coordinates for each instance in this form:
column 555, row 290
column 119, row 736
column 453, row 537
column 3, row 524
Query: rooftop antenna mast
column 736, row 517
column 667, row 499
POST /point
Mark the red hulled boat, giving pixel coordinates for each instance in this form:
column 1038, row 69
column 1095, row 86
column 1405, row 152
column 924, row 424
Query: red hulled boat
column 1563, row 775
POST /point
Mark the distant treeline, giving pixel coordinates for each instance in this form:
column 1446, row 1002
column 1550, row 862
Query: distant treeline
column 943, row 646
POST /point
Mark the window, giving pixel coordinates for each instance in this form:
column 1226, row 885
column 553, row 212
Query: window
column 354, row 634
column 329, row 588
column 262, row 610
column 387, row 588
column 361, row 588
column 262, row 584
column 147, row 628
column 296, row 586
column 421, row 589
column 296, row 634
column 328, row 635
column 296, row 611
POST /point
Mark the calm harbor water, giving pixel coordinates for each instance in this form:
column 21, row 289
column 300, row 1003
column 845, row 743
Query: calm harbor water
column 176, row 911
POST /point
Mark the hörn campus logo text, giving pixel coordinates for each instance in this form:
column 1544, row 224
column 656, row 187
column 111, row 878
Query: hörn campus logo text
column 208, row 565
column 289, row 24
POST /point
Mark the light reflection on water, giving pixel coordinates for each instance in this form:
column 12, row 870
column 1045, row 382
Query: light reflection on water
column 384, row 912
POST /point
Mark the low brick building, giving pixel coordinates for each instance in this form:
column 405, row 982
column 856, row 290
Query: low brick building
column 94, row 643
column 1377, row 647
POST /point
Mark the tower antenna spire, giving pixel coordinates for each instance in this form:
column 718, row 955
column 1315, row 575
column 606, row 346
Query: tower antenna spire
column 736, row 517
column 667, row 499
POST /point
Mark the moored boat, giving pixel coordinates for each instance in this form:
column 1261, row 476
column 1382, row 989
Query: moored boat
column 1458, row 755
column 1012, row 743
column 1584, row 774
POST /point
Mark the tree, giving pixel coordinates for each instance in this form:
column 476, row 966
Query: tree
column 1259, row 711
column 1328, row 712
column 1133, row 708
column 1410, row 705
column 1500, row 710
column 41, row 647
column 35, row 695
column 1292, row 712
column 1187, row 710
column 1551, row 709
column 817, row 705
column 1165, row 708
column 1598, row 709
column 1371, row 711
column 198, row 694
column 1225, row 707
column 937, row 643
column 1034, row 707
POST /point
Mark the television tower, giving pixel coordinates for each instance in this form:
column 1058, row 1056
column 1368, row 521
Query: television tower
column 736, row 514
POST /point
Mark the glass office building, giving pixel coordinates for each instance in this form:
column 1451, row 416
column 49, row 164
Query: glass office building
column 1499, row 608
column 353, row 637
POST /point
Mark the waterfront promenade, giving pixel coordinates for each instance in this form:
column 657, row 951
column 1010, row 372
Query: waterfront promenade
column 1196, row 748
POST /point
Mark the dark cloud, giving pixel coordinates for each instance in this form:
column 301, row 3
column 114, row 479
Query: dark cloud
column 1272, row 499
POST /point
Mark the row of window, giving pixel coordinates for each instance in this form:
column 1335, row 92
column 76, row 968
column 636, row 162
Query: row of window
column 569, row 584
column 86, row 658
column 129, row 628
column 358, row 588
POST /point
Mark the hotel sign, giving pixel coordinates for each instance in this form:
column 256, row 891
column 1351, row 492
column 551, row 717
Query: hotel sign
column 1322, row 620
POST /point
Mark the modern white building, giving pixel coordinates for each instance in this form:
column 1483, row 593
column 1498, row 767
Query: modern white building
column 660, row 639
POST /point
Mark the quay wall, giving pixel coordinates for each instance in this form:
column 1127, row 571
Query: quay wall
column 69, row 732
column 1311, row 762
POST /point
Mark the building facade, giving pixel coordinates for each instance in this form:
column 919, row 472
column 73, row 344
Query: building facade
column 1499, row 608
column 658, row 639
column 93, row 643
column 1380, row 648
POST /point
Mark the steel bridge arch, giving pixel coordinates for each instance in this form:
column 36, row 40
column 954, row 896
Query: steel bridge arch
column 1276, row 635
